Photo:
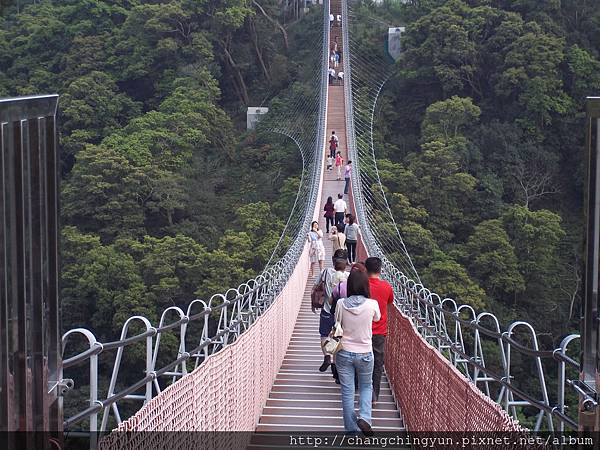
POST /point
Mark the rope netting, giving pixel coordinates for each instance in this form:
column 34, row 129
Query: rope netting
column 433, row 394
column 226, row 393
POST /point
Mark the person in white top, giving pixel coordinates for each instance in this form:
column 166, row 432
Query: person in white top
column 332, row 76
column 334, row 137
column 356, row 314
column 331, row 19
column 340, row 208
column 317, row 249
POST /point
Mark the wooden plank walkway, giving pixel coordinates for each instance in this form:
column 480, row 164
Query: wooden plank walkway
column 302, row 398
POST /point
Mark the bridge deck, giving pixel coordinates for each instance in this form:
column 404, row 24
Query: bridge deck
column 302, row 398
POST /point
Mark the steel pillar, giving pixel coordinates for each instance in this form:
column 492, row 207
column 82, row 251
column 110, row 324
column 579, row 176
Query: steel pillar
column 30, row 361
column 589, row 381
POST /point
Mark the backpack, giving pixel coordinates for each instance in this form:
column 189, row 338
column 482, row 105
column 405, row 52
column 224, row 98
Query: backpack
column 318, row 295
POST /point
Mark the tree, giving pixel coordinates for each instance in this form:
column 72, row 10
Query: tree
column 92, row 105
column 101, row 285
column 449, row 279
column 491, row 259
column 103, row 194
column 186, row 122
column 171, row 268
column 535, row 236
column 531, row 75
column 164, row 194
column 448, row 119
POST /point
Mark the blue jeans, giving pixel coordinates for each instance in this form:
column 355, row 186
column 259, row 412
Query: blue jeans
column 347, row 363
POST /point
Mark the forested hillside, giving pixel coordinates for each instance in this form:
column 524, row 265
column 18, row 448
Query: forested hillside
column 165, row 197
column 481, row 141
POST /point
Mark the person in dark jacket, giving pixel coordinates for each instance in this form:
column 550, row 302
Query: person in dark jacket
column 329, row 213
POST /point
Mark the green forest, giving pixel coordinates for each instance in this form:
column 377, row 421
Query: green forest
column 480, row 140
column 165, row 197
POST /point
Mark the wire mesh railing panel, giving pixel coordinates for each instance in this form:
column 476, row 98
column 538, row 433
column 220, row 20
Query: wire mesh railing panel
column 433, row 395
column 226, row 393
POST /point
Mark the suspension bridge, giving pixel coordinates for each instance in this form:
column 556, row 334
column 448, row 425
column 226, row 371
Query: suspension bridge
column 256, row 370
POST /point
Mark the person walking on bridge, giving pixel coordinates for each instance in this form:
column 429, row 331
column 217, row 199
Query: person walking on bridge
column 338, row 238
column 317, row 249
column 332, row 75
column 347, row 175
column 331, row 278
column 381, row 291
column 352, row 232
column 339, row 162
column 356, row 314
column 340, row 209
column 329, row 214
column 335, row 138
column 333, row 142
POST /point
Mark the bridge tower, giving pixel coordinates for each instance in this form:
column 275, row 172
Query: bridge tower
column 30, row 355
column 589, row 413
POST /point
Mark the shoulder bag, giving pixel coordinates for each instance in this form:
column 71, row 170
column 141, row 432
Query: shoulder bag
column 333, row 343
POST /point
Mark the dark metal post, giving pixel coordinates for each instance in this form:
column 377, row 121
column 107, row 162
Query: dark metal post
column 589, row 411
column 30, row 352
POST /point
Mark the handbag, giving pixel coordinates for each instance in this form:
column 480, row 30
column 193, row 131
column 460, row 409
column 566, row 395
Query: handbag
column 333, row 343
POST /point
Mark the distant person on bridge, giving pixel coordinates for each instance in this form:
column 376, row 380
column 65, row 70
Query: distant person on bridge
column 333, row 144
column 334, row 59
column 340, row 209
column 347, row 174
column 339, row 162
column 356, row 313
column 381, row 291
column 329, row 163
column 338, row 238
column 317, row 249
column 331, row 19
column 352, row 231
column 341, row 77
column 332, row 76
column 331, row 278
column 329, row 213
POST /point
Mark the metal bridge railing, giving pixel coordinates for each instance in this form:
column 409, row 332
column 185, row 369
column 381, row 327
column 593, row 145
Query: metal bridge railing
column 234, row 312
column 457, row 331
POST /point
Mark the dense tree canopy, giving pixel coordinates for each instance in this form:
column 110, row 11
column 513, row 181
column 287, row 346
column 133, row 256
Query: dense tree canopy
column 480, row 140
column 165, row 197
